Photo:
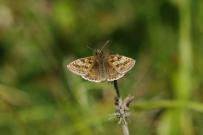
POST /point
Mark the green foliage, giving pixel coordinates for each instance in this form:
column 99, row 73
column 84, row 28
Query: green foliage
column 39, row 96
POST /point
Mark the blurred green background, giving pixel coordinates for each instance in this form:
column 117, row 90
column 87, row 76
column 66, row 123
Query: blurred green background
column 39, row 96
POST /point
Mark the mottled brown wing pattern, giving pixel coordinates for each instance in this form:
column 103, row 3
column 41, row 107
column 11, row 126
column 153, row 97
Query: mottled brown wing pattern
column 110, row 68
column 111, row 73
column 121, row 64
column 94, row 74
column 82, row 66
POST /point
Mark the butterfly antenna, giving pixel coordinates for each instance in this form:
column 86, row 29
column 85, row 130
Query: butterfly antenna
column 107, row 42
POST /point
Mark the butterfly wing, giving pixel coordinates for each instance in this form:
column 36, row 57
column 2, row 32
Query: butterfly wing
column 82, row 66
column 121, row 64
column 94, row 74
column 111, row 73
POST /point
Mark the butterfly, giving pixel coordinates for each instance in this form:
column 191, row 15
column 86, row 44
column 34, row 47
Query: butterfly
column 100, row 67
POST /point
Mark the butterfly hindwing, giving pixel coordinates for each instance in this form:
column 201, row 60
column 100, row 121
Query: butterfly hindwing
column 111, row 73
column 94, row 75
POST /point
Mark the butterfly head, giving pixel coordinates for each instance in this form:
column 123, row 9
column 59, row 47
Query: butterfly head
column 99, row 54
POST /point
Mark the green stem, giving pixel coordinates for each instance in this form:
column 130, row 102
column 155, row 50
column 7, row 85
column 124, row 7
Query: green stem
column 167, row 104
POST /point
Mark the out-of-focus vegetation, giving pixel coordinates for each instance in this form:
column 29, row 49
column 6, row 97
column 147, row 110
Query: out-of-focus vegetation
column 38, row 96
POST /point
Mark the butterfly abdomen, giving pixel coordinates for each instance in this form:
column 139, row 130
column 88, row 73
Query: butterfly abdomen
column 101, row 70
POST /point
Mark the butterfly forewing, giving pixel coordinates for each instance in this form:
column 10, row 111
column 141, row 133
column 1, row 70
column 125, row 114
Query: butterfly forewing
column 121, row 64
column 82, row 66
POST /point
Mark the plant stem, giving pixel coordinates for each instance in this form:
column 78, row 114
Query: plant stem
column 125, row 129
column 116, row 88
column 119, row 106
column 168, row 104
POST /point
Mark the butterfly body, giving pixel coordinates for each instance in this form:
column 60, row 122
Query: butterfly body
column 100, row 60
column 100, row 67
